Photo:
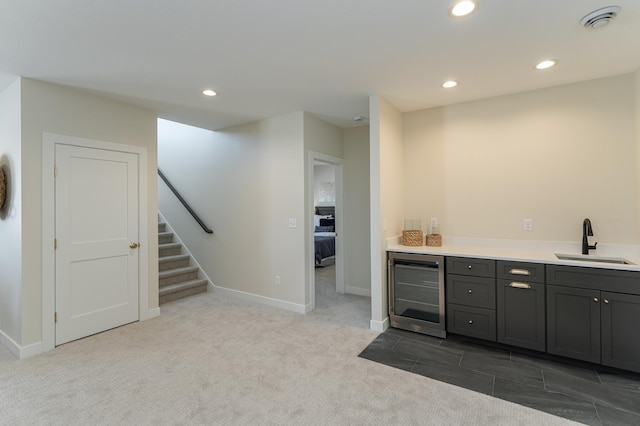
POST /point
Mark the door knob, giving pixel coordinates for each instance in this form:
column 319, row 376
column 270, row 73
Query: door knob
column 133, row 245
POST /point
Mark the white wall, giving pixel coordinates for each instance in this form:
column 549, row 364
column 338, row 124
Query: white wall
column 555, row 155
column 245, row 182
column 637, row 157
column 322, row 137
column 387, row 197
column 356, row 202
column 58, row 109
column 11, row 217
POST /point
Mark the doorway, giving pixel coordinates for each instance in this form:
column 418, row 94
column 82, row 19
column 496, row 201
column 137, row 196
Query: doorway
column 325, row 192
column 96, row 220
column 94, row 206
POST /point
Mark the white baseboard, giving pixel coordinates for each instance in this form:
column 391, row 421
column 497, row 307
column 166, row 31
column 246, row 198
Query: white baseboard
column 36, row 348
column 379, row 326
column 31, row 350
column 358, row 291
column 20, row 351
column 150, row 313
column 7, row 341
column 276, row 303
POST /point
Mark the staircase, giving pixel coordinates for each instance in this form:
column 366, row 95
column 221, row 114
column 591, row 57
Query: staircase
column 178, row 277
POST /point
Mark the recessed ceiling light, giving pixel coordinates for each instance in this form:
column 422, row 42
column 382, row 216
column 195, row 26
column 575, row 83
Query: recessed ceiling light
column 209, row 92
column 547, row 63
column 449, row 84
column 462, row 8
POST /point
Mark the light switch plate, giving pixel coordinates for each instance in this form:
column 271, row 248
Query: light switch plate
column 527, row 225
column 293, row 222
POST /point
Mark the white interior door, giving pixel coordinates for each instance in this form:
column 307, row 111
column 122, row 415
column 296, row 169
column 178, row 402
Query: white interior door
column 96, row 225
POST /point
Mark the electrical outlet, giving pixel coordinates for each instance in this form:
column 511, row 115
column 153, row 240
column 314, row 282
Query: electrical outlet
column 293, row 222
column 277, row 279
column 527, row 225
column 434, row 222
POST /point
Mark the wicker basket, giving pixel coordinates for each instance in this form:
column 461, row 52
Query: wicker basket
column 411, row 238
column 434, row 240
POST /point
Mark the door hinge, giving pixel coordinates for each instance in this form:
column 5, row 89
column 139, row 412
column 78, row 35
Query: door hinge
column 55, row 317
column 55, row 243
column 55, row 171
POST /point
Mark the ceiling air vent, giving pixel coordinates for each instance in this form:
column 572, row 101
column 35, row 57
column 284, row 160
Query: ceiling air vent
column 599, row 18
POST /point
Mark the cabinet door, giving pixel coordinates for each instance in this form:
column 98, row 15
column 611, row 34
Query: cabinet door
column 620, row 319
column 521, row 314
column 573, row 322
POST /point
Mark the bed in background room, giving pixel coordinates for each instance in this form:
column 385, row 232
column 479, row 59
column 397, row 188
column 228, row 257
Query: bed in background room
column 324, row 234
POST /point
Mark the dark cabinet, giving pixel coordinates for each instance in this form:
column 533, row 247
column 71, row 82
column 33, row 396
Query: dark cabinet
column 620, row 317
column 472, row 321
column 521, row 314
column 471, row 291
column 471, row 297
column 521, row 304
column 588, row 319
column 573, row 322
column 585, row 313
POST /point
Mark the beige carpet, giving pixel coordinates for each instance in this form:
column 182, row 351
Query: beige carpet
column 346, row 309
column 211, row 359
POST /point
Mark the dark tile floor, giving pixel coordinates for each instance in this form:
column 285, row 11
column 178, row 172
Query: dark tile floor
column 583, row 392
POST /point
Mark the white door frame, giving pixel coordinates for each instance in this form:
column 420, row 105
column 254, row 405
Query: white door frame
column 337, row 162
column 49, row 140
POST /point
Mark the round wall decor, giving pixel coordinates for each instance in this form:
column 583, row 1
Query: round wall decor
column 3, row 188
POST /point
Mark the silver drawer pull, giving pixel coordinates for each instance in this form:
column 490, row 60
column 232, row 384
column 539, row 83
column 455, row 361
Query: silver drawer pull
column 470, row 321
column 469, row 266
column 606, row 301
column 519, row 272
column 470, row 291
column 519, row 285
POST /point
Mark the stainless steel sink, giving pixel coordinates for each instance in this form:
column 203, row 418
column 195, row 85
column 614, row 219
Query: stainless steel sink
column 591, row 258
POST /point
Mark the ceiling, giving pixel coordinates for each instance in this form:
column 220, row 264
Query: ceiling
column 268, row 58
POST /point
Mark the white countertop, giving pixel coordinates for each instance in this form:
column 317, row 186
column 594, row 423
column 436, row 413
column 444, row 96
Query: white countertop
column 524, row 251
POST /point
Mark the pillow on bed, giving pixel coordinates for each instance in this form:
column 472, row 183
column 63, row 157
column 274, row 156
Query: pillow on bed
column 324, row 229
column 327, row 222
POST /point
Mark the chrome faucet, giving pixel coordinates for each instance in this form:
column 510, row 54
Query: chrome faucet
column 587, row 231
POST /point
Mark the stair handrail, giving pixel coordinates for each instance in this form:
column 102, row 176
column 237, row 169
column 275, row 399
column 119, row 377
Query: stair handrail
column 184, row 203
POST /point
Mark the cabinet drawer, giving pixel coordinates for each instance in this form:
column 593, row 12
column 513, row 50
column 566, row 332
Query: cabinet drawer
column 471, row 266
column 470, row 321
column 471, row 291
column 594, row 278
column 521, row 271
